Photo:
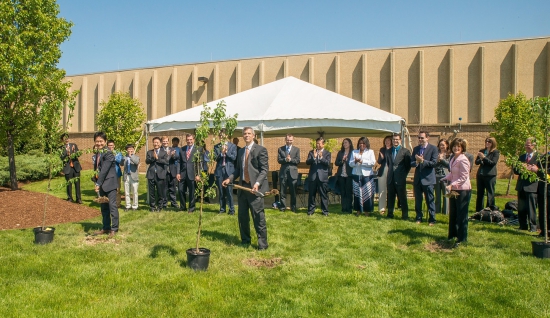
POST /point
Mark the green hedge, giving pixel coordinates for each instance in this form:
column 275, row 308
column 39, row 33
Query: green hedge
column 29, row 167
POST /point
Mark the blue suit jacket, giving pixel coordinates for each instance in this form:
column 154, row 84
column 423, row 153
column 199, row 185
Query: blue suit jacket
column 222, row 171
column 425, row 173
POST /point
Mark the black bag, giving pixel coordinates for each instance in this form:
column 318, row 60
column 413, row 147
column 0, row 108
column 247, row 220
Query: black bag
column 511, row 205
column 488, row 215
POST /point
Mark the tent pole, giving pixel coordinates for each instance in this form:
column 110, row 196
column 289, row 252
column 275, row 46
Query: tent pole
column 261, row 138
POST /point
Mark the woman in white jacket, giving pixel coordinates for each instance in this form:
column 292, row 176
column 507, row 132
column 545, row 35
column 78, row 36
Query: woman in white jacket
column 362, row 161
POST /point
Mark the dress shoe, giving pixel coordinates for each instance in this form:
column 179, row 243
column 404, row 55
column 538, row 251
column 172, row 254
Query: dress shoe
column 262, row 248
column 390, row 216
column 418, row 221
column 221, row 212
column 79, row 201
column 382, row 211
column 431, row 224
column 191, row 211
column 153, row 209
column 183, row 209
column 231, row 213
column 69, row 200
column 101, row 232
column 175, row 206
column 112, row 233
column 282, row 210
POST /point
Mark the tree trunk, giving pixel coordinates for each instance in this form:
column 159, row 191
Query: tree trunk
column 509, row 182
column 11, row 158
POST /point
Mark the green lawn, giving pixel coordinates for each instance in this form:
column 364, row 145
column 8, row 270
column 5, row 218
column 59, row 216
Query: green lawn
column 340, row 266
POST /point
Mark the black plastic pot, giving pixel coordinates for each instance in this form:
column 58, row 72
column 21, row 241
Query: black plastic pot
column 198, row 261
column 541, row 249
column 43, row 236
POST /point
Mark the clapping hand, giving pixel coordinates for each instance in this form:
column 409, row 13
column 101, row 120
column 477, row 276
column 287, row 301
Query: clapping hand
column 481, row 155
column 419, row 158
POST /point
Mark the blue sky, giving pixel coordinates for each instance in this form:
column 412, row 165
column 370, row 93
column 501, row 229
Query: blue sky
column 122, row 34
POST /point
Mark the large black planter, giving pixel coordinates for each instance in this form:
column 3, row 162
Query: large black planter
column 541, row 249
column 43, row 236
column 198, row 261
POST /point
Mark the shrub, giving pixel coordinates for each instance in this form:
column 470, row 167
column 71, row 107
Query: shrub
column 29, row 168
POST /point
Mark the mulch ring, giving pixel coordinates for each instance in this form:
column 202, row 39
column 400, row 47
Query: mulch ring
column 269, row 263
column 22, row 209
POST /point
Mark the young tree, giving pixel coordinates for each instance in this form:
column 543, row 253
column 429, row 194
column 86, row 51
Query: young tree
column 30, row 34
column 212, row 121
column 122, row 119
column 515, row 120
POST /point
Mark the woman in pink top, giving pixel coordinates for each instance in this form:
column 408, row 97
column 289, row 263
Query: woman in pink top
column 458, row 180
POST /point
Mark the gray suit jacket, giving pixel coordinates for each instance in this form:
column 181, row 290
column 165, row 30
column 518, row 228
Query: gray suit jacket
column 134, row 162
column 258, row 165
column 291, row 165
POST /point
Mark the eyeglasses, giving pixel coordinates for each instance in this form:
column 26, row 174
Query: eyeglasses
column 488, row 141
column 421, row 137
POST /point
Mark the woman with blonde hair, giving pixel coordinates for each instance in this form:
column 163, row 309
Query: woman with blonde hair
column 486, row 177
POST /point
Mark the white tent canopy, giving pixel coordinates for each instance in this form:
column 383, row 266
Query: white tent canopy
column 292, row 106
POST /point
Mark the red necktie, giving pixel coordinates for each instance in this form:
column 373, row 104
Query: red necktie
column 188, row 154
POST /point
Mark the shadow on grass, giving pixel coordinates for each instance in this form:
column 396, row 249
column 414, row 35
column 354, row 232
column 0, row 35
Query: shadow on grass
column 501, row 230
column 158, row 249
column 224, row 237
column 415, row 236
column 87, row 226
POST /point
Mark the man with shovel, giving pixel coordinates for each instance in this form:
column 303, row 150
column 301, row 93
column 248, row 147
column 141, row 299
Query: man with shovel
column 251, row 168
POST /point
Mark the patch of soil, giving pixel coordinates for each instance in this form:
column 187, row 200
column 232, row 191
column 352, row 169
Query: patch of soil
column 22, row 209
column 439, row 246
column 269, row 263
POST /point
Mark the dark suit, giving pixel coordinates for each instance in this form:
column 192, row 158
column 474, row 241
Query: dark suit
column 424, row 180
column 345, row 184
column 258, row 165
column 71, row 169
column 527, row 196
column 486, row 178
column 398, row 169
column 288, row 174
column 541, row 195
column 225, row 166
column 318, row 179
column 171, row 173
column 108, row 183
column 156, row 174
column 187, row 177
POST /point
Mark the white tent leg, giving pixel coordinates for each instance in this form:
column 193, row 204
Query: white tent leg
column 261, row 138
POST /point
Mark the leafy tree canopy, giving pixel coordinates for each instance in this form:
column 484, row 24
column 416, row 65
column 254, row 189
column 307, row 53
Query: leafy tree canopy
column 31, row 33
column 122, row 119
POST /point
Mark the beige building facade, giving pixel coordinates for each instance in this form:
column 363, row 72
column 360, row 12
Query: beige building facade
column 430, row 86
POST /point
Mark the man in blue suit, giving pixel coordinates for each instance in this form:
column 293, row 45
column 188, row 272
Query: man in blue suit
column 225, row 154
column 424, row 158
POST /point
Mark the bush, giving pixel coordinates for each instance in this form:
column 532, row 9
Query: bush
column 29, row 168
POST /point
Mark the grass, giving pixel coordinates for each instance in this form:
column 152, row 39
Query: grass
column 340, row 266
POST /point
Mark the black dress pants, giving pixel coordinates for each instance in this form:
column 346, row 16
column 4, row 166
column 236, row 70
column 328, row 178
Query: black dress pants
column 485, row 184
column 458, row 215
column 527, row 210
column 157, row 190
column 346, row 193
column 287, row 181
column 401, row 192
column 69, row 176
